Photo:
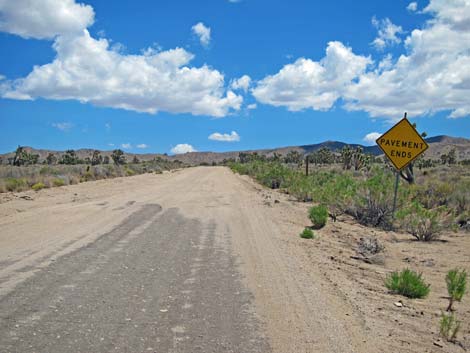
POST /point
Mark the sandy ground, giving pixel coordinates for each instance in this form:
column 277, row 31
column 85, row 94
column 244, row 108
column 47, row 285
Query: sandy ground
column 309, row 295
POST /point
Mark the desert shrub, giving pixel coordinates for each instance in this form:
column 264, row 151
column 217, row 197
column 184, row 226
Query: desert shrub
column 460, row 198
column 421, row 223
column 272, row 175
column 87, row 176
column 318, row 215
column 307, row 233
column 38, row 186
column 337, row 193
column 300, row 187
column 128, row 171
column 449, row 326
column 456, row 281
column 433, row 193
column 372, row 204
column 407, row 283
column 48, row 171
column 369, row 246
column 16, row 184
column 58, row 182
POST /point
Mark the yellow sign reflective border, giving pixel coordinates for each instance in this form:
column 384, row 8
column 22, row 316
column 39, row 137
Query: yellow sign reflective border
column 402, row 144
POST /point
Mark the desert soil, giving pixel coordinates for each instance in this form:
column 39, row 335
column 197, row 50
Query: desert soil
column 203, row 260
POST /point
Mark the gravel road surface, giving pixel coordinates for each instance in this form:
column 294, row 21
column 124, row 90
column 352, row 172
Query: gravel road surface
column 180, row 262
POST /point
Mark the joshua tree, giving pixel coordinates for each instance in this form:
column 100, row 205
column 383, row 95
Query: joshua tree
column 96, row 158
column 51, row 158
column 118, row 157
column 408, row 173
column 293, row 157
column 22, row 157
column 69, row 157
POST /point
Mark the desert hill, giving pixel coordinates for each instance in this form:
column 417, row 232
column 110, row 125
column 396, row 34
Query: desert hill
column 438, row 145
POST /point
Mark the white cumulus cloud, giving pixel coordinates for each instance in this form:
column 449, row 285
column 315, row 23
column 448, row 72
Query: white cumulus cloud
column 91, row 71
column 433, row 76
column 387, row 33
column 142, row 146
column 232, row 137
column 85, row 69
column 126, row 146
column 203, row 32
column 183, row 148
column 252, row 106
column 44, row 19
column 242, row 83
column 412, row 6
column 312, row 84
column 63, row 126
column 371, row 137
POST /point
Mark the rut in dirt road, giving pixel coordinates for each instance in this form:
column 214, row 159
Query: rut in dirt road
column 158, row 282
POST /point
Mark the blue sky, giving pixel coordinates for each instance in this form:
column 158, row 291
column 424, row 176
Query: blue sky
column 153, row 76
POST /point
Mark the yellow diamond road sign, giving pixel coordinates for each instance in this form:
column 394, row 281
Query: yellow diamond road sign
column 402, row 144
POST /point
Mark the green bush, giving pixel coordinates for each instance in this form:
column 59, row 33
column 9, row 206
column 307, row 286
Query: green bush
column 16, row 184
column 129, row 172
column 338, row 194
column 407, row 283
column 456, row 281
column 48, row 171
column 372, row 203
column 300, row 186
column 307, row 233
column 449, row 326
column 87, row 176
column 421, row 223
column 318, row 215
column 58, row 182
column 38, row 186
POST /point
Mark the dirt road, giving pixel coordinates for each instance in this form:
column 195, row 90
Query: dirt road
column 179, row 262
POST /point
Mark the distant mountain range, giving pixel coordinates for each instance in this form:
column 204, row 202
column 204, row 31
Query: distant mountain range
column 437, row 146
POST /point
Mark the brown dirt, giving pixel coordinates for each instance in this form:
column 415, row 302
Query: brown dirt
column 311, row 294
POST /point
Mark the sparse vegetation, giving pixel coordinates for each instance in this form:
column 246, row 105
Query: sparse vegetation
column 423, row 224
column 58, row 182
column 16, row 184
column 38, row 186
column 372, row 204
column 449, row 326
column 369, row 246
column 437, row 200
column 407, row 283
column 25, row 177
column 318, row 215
column 307, row 233
column 456, row 281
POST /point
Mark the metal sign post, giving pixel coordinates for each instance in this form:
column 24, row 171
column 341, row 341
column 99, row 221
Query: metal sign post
column 397, row 180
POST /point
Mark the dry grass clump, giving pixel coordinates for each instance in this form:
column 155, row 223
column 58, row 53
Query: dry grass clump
column 21, row 178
